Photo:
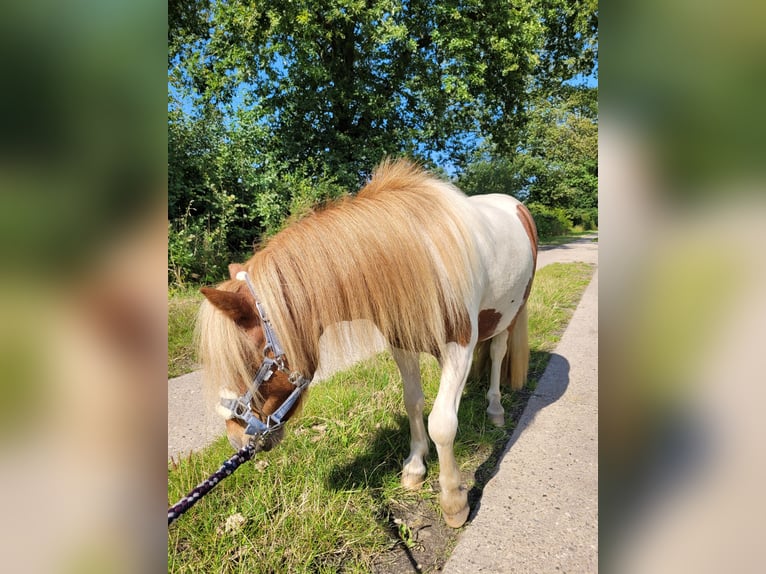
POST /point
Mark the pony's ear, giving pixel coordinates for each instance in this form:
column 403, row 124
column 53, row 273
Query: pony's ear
column 235, row 268
column 235, row 305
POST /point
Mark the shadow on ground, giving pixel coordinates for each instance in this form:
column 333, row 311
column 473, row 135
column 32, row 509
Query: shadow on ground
column 546, row 392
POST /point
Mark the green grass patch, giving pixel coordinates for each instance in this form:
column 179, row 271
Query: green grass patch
column 550, row 306
column 328, row 498
column 182, row 312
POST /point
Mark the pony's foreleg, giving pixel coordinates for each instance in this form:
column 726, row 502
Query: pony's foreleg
column 442, row 426
column 414, row 470
column 497, row 350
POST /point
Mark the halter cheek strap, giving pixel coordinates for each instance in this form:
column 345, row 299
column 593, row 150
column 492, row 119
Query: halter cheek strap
column 241, row 408
column 272, row 342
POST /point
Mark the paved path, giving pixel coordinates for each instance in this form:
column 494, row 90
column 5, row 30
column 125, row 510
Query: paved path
column 539, row 512
column 191, row 425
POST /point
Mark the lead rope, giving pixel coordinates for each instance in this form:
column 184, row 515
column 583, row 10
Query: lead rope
column 227, row 468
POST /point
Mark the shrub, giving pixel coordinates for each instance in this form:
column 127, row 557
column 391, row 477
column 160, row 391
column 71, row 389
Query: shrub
column 198, row 247
column 201, row 245
column 196, row 253
column 550, row 221
column 587, row 218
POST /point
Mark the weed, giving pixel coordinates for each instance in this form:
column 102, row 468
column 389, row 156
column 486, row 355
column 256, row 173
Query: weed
column 182, row 312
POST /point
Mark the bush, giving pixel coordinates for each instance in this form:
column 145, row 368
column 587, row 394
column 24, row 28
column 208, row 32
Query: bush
column 196, row 253
column 587, row 218
column 550, row 221
column 198, row 247
column 201, row 245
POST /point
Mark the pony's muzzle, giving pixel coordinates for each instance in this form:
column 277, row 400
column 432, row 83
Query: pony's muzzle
column 272, row 439
column 235, row 431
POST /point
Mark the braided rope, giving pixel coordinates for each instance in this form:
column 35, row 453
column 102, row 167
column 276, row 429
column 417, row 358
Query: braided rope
column 240, row 457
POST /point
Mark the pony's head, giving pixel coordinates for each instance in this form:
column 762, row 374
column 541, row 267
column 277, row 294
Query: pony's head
column 231, row 346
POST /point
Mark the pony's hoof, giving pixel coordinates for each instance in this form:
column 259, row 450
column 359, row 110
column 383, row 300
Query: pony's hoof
column 497, row 420
column 412, row 481
column 458, row 519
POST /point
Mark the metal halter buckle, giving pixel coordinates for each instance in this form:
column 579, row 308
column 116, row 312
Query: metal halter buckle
column 273, row 360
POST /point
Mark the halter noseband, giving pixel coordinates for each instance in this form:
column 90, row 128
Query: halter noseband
column 241, row 408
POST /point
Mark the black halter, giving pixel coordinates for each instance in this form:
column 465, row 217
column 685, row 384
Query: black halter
column 273, row 361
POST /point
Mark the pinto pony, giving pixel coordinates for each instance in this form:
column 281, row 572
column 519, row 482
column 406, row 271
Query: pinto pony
column 410, row 259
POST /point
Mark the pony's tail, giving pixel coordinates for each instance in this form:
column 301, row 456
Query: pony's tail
column 518, row 352
column 515, row 365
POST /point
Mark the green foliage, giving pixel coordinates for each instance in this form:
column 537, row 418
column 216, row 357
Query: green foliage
column 197, row 249
column 556, row 166
column 586, row 218
column 499, row 175
column 221, row 200
column 549, row 221
column 292, row 196
column 348, row 81
column 561, row 144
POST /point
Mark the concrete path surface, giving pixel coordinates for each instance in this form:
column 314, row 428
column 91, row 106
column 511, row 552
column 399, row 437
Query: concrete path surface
column 191, row 425
column 539, row 512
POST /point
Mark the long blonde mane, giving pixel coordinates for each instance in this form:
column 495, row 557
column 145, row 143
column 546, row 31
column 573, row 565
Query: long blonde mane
column 398, row 254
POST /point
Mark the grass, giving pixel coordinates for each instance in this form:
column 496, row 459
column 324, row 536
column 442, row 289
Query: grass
column 182, row 310
column 328, row 498
column 550, row 306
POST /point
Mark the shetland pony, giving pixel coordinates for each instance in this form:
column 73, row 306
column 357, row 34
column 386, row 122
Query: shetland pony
column 410, row 259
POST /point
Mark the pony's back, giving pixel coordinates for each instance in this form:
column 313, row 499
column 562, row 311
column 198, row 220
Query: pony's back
column 399, row 254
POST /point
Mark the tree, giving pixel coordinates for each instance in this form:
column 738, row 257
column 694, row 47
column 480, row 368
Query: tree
column 280, row 105
column 347, row 81
column 562, row 146
column 556, row 162
column 497, row 174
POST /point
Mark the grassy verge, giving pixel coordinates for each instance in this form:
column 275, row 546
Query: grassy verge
column 182, row 310
column 328, row 498
column 555, row 293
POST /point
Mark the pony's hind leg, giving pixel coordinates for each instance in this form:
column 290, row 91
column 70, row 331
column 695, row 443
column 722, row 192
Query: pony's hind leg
column 414, row 469
column 442, row 426
column 497, row 351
